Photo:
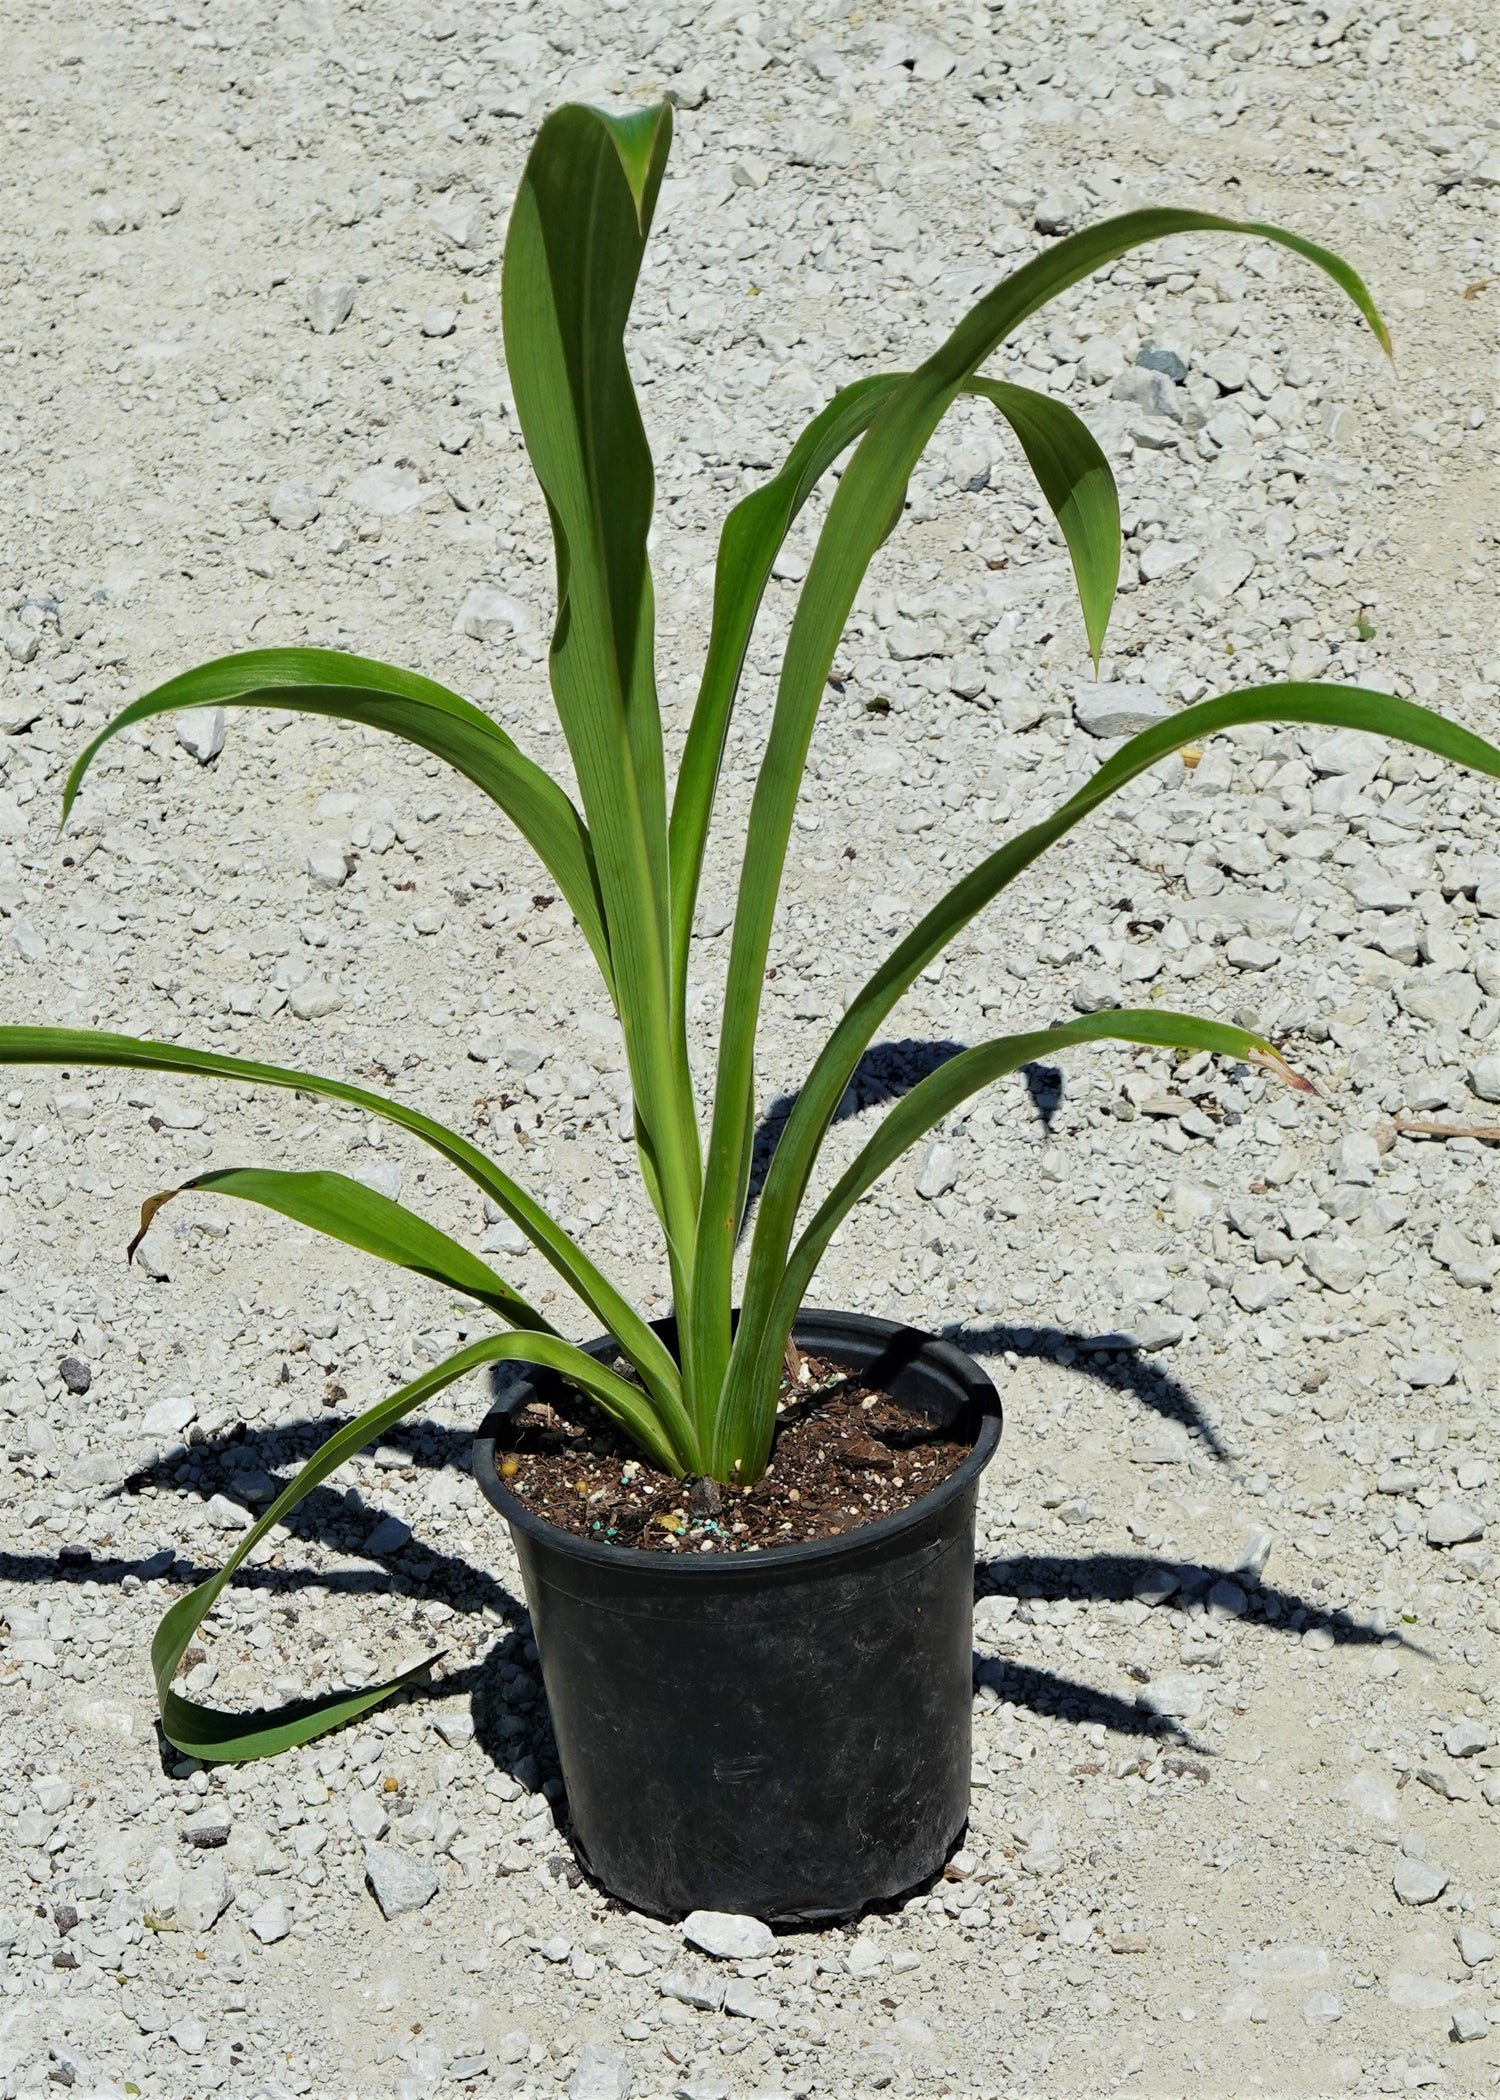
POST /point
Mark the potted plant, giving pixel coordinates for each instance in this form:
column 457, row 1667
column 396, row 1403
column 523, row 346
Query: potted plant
column 761, row 1696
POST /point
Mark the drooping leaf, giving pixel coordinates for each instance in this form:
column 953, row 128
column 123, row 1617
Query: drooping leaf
column 857, row 520
column 83, row 1046
column 380, row 696
column 1331, row 706
column 348, row 1210
column 218, row 1737
column 1075, row 479
column 909, row 1120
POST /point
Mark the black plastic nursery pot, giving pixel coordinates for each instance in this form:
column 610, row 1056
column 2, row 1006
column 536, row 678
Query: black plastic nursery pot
column 785, row 1734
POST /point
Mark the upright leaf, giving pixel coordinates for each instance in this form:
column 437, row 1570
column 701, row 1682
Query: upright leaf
column 753, row 535
column 572, row 256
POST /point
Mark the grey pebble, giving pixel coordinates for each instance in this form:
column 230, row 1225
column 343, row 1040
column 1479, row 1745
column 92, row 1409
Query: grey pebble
column 1418, row 1881
column 400, row 1883
column 329, row 306
column 1118, row 710
column 601, row 2074
column 389, row 1536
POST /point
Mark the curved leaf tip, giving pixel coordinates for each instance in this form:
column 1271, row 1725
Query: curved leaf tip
column 1267, row 1058
column 149, row 1209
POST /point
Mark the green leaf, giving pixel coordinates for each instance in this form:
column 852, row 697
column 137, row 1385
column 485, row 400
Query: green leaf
column 217, row 1737
column 917, row 1112
column 753, row 535
column 380, row 696
column 858, row 518
column 1332, row 706
column 1075, row 480
column 572, row 256
column 347, row 1210
column 644, row 1349
column 1074, row 477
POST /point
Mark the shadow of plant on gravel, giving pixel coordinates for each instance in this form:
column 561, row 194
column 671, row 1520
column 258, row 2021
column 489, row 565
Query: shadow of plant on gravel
column 518, row 1738
column 884, row 1073
column 1114, row 1360
column 1112, row 1578
column 1044, row 1083
column 327, row 1518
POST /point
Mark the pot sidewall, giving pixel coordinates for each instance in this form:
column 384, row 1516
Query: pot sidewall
column 784, row 1734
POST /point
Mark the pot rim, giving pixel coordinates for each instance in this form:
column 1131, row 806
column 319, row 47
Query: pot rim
column 956, row 1363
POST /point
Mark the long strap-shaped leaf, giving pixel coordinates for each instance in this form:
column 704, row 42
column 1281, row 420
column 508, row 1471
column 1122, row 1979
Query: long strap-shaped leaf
column 218, row 1737
column 348, row 1210
column 856, row 522
column 645, row 1350
column 1332, row 706
column 935, row 1097
column 380, row 696
column 752, row 536
column 572, row 255
column 1076, row 483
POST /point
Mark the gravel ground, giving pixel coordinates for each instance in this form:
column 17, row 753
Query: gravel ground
column 1234, row 1824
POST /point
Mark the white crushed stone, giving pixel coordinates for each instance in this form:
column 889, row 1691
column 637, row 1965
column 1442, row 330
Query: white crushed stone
column 255, row 396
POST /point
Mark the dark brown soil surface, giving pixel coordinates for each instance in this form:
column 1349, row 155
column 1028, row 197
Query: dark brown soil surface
column 843, row 1456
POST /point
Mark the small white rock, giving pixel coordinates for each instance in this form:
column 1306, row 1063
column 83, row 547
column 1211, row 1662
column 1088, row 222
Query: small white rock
column 456, row 1727
column 269, row 1921
column 201, row 731
column 294, row 506
column 1451, row 1524
column 493, row 616
column 203, row 1895
column 367, row 1816
column 225, row 1515
column 400, row 1882
column 1484, row 1077
column 1339, row 1265
column 329, row 307
column 1118, row 710
column 387, row 492
column 315, row 1000
column 1418, row 1881
column 190, row 2035
column 728, row 1935
column 938, row 1172
column 168, row 1417
column 601, row 2074
column 327, row 866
